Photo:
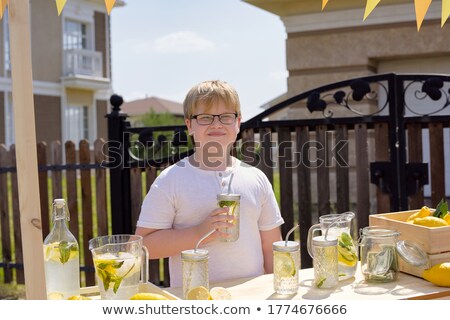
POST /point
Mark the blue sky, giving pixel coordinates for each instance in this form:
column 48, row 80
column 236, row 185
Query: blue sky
column 163, row 47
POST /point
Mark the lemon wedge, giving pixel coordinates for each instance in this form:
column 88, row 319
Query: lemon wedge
column 148, row 296
column 219, row 293
column 78, row 298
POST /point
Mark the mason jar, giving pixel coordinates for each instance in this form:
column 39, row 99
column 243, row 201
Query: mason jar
column 195, row 270
column 286, row 264
column 232, row 201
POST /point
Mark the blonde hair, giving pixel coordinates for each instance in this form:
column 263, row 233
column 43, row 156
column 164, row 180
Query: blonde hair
column 209, row 93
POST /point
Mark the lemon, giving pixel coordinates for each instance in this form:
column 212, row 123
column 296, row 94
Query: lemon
column 422, row 213
column 430, row 222
column 78, row 298
column 148, row 296
column 219, row 293
column 439, row 274
column 347, row 257
column 447, row 218
column 283, row 265
column 55, row 296
column 198, row 293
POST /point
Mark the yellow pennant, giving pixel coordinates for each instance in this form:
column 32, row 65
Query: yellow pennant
column 324, row 3
column 3, row 4
column 445, row 11
column 60, row 5
column 370, row 5
column 421, row 9
column 109, row 5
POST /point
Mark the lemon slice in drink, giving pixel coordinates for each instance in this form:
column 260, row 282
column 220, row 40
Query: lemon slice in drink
column 219, row 293
column 283, row 264
column 198, row 293
column 347, row 257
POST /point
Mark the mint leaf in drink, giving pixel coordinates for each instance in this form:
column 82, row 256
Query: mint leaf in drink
column 346, row 240
column 64, row 251
column 226, row 203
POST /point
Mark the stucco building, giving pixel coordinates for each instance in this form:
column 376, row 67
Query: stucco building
column 71, row 59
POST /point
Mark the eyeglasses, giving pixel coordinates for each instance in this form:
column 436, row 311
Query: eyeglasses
column 205, row 119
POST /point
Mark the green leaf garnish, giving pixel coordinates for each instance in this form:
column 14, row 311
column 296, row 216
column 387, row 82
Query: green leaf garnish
column 441, row 209
column 226, row 203
column 64, row 251
column 108, row 275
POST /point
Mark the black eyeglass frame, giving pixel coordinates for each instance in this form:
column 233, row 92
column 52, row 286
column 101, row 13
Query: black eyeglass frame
column 214, row 117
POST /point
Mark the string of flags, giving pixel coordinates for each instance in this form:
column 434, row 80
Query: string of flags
column 420, row 6
column 109, row 4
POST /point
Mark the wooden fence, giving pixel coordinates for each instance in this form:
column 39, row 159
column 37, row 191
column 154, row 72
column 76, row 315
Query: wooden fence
column 75, row 174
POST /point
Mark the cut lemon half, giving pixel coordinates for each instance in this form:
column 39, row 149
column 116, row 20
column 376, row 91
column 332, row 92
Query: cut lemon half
column 284, row 265
column 219, row 293
column 198, row 293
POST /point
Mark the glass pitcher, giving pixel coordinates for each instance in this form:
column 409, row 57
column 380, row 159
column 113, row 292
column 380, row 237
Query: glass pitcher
column 121, row 262
column 339, row 226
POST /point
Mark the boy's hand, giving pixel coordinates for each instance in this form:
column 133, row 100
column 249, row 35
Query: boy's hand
column 217, row 219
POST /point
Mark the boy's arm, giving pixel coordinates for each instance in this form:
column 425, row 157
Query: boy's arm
column 267, row 239
column 162, row 243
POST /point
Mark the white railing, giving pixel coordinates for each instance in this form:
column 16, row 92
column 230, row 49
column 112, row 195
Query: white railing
column 83, row 62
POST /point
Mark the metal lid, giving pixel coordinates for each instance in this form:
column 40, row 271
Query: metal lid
column 320, row 241
column 192, row 254
column 229, row 197
column 413, row 254
column 283, row 247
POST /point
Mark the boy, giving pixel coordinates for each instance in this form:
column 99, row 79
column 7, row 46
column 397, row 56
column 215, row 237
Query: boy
column 181, row 205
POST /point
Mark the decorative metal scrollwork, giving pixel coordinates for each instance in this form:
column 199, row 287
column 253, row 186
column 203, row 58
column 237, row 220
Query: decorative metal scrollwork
column 157, row 146
column 359, row 90
column 431, row 93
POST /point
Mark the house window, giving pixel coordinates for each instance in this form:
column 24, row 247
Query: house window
column 6, row 48
column 77, row 120
column 75, row 35
column 9, row 120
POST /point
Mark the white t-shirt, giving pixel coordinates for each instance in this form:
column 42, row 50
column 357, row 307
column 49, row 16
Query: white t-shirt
column 183, row 196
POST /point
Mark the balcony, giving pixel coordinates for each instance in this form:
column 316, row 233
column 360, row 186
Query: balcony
column 84, row 69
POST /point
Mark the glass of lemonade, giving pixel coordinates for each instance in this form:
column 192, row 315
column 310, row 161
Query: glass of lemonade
column 286, row 264
column 232, row 201
column 195, row 272
column 119, row 261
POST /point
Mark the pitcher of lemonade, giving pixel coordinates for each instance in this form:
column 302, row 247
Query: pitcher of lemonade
column 339, row 225
column 121, row 263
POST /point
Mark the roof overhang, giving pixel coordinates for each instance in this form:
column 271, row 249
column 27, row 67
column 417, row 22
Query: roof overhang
column 285, row 8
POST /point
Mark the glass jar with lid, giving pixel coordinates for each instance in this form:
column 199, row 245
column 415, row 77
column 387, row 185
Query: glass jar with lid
column 380, row 249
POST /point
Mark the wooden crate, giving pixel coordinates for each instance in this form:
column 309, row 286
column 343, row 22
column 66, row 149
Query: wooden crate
column 434, row 241
column 93, row 292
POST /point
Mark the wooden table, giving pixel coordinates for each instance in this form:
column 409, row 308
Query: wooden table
column 261, row 288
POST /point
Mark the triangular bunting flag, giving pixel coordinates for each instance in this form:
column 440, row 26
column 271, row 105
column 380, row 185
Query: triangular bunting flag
column 109, row 5
column 445, row 11
column 370, row 5
column 3, row 4
column 421, row 10
column 60, row 5
column 324, row 3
